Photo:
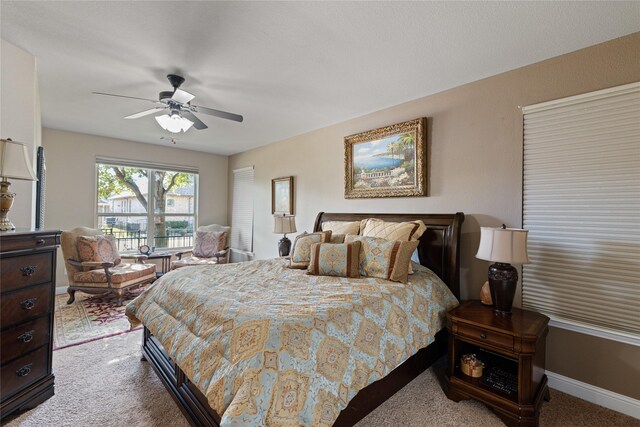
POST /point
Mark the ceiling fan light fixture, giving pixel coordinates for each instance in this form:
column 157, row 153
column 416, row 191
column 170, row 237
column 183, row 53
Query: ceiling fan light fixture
column 174, row 123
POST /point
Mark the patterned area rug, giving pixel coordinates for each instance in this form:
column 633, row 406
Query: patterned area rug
column 89, row 318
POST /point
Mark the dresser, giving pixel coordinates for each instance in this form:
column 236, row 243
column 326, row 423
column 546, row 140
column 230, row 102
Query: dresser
column 27, row 291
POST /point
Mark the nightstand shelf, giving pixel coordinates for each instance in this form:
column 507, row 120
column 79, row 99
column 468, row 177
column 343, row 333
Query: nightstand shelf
column 512, row 349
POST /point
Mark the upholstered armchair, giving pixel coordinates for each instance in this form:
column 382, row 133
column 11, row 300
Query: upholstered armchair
column 211, row 247
column 94, row 265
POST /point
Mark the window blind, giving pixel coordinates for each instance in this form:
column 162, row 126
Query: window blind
column 242, row 210
column 581, row 205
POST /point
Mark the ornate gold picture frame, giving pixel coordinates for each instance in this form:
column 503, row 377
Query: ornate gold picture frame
column 282, row 196
column 387, row 162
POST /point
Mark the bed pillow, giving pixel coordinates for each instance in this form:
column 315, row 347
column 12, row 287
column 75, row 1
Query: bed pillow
column 404, row 231
column 337, row 238
column 98, row 249
column 342, row 260
column 341, row 227
column 385, row 259
column 209, row 243
column 301, row 251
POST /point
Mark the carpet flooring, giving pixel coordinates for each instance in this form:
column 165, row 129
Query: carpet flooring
column 104, row 383
column 89, row 318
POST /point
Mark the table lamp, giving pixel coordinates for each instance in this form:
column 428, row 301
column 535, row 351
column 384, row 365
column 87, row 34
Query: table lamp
column 14, row 163
column 284, row 224
column 504, row 246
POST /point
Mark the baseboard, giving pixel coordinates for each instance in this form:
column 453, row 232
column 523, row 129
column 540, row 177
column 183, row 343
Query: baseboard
column 61, row 290
column 599, row 396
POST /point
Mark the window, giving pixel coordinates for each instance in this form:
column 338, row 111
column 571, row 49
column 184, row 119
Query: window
column 125, row 209
column 242, row 214
column 581, row 205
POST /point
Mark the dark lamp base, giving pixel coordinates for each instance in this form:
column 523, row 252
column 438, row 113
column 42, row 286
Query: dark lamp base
column 503, row 280
column 284, row 246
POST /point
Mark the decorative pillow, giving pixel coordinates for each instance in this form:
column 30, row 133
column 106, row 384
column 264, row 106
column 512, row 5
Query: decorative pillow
column 385, row 259
column 301, row 251
column 337, row 238
column 340, row 260
column 404, row 231
column 98, row 249
column 209, row 243
column 342, row 227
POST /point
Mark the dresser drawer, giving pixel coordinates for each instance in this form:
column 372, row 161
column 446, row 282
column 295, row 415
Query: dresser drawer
column 24, row 371
column 21, row 242
column 20, row 271
column 25, row 304
column 495, row 339
column 27, row 337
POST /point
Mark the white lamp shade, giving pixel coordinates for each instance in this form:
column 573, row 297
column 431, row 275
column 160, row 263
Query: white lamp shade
column 506, row 245
column 14, row 161
column 284, row 224
column 174, row 123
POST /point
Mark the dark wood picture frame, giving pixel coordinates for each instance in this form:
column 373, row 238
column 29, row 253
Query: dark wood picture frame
column 277, row 185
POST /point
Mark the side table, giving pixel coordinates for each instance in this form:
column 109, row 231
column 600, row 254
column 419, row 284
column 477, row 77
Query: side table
column 512, row 348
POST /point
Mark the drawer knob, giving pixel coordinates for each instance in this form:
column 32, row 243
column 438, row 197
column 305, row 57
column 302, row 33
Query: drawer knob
column 40, row 242
column 26, row 337
column 25, row 370
column 483, row 336
column 28, row 304
column 28, row 270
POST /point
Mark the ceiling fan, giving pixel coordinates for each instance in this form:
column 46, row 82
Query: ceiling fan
column 179, row 116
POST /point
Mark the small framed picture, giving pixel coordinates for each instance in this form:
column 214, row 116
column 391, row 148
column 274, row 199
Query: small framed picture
column 282, row 196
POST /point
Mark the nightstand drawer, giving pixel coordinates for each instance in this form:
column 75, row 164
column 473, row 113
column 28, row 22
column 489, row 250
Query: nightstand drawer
column 21, row 271
column 495, row 339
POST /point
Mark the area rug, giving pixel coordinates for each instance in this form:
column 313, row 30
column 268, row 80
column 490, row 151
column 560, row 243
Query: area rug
column 89, row 318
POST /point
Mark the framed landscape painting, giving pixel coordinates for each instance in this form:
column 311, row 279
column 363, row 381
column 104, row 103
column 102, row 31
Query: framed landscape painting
column 387, row 162
column 282, row 196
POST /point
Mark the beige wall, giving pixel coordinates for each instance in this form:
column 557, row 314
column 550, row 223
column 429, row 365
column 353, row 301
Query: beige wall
column 20, row 121
column 475, row 166
column 71, row 178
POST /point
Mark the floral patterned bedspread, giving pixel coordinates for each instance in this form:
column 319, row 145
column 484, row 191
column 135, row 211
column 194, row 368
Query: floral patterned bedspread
column 269, row 345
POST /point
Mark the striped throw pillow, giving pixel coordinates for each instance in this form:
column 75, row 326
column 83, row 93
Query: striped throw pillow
column 330, row 259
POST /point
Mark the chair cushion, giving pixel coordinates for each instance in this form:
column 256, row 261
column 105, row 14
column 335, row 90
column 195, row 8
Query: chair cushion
column 196, row 261
column 209, row 243
column 385, row 259
column 342, row 260
column 98, row 249
column 120, row 274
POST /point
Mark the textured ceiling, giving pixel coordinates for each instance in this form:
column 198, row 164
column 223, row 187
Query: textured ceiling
column 289, row 68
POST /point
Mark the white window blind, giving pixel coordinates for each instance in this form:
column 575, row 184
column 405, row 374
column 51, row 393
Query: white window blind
column 581, row 205
column 242, row 210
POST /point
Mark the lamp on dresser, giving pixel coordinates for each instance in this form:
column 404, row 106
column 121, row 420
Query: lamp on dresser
column 14, row 163
column 504, row 246
column 284, row 224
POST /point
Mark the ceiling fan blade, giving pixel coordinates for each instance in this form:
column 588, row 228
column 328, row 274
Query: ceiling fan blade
column 123, row 96
column 197, row 123
column 145, row 113
column 217, row 113
column 182, row 96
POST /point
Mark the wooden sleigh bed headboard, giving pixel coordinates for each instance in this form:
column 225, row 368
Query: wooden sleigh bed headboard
column 439, row 248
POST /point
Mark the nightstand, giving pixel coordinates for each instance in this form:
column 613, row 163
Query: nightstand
column 512, row 349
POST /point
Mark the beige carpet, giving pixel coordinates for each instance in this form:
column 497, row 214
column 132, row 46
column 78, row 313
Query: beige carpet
column 104, row 383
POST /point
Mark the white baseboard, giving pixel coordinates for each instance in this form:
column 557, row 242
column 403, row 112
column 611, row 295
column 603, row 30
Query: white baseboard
column 599, row 396
column 61, row 290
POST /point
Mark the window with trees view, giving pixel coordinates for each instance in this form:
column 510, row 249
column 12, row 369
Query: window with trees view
column 147, row 206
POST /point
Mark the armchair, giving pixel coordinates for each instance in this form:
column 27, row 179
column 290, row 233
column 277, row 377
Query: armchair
column 104, row 273
column 210, row 248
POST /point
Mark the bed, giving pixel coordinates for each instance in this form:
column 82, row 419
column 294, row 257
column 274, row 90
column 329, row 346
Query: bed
column 438, row 250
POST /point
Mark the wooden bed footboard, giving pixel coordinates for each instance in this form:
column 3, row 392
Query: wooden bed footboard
column 197, row 411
